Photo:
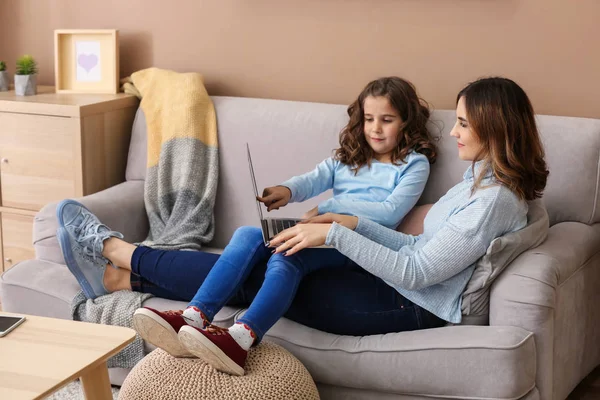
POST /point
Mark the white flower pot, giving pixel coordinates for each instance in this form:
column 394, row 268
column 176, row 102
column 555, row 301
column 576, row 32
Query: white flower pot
column 25, row 85
column 3, row 81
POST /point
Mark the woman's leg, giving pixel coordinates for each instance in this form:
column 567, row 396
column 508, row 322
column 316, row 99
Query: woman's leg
column 169, row 274
column 119, row 252
column 351, row 301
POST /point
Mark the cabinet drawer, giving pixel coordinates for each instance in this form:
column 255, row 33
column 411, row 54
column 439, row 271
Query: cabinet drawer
column 37, row 159
column 17, row 238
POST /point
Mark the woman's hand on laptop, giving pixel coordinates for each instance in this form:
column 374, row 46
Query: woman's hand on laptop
column 348, row 221
column 299, row 237
column 275, row 197
column 310, row 233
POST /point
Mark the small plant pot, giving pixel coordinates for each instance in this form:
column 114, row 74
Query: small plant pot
column 25, row 85
column 3, row 81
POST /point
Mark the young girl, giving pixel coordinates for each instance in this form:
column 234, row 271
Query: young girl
column 378, row 173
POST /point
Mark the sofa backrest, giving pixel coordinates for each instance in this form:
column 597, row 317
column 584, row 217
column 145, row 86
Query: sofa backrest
column 287, row 138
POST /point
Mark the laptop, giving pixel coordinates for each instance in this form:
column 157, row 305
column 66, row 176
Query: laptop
column 270, row 226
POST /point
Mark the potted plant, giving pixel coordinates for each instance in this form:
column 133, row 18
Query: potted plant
column 25, row 76
column 3, row 77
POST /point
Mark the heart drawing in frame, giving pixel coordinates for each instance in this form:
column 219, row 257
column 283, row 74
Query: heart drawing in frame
column 87, row 61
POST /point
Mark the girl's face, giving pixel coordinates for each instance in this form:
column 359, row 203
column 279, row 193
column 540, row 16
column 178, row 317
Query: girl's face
column 382, row 126
column 469, row 145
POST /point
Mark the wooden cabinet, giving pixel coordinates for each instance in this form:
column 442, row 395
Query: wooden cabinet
column 56, row 146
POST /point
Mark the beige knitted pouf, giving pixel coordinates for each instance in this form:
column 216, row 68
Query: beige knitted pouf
column 272, row 373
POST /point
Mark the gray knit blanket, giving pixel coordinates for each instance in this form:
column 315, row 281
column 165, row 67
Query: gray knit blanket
column 180, row 187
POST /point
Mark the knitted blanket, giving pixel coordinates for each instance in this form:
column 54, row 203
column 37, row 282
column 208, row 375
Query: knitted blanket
column 183, row 157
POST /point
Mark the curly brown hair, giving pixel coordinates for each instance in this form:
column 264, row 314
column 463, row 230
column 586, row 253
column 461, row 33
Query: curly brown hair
column 502, row 117
column 413, row 135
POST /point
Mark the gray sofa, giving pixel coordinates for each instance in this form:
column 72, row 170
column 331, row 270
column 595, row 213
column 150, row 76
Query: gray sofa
column 544, row 325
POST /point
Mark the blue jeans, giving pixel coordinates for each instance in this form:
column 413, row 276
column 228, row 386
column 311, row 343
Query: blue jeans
column 344, row 300
column 283, row 275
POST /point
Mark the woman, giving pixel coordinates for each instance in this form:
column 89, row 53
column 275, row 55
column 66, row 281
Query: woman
column 392, row 281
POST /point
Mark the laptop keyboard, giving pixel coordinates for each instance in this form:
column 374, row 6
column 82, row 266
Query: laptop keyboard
column 282, row 224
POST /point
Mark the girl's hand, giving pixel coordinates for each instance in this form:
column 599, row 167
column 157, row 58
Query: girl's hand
column 299, row 237
column 347, row 221
column 275, row 196
column 311, row 213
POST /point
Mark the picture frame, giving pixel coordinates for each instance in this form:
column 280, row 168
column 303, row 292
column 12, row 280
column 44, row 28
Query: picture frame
column 86, row 60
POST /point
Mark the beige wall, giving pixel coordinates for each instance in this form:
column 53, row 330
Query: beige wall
column 326, row 50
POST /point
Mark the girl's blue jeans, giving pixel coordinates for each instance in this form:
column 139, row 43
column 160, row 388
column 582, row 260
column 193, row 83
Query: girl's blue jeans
column 320, row 288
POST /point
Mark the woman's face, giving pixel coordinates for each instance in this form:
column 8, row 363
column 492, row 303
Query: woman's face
column 469, row 145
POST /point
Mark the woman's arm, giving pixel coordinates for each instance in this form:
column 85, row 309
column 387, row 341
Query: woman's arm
column 392, row 210
column 377, row 233
column 447, row 254
column 461, row 241
column 384, row 236
column 313, row 183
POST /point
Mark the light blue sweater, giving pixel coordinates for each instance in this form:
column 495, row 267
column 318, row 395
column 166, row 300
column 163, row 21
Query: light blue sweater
column 432, row 269
column 383, row 193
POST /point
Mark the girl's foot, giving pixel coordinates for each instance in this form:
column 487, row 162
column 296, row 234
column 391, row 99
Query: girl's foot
column 160, row 329
column 81, row 236
column 218, row 347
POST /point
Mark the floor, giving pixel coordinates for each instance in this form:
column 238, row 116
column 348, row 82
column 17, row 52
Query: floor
column 588, row 389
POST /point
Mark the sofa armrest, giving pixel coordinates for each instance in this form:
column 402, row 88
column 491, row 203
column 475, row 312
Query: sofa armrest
column 529, row 292
column 120, row 207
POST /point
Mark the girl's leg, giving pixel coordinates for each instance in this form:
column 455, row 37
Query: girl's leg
column 181, row 273
column 281, row 281
column 245, row 250
column 226, row 349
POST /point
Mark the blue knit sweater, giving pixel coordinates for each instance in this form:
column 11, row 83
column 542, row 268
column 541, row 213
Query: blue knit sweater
column 383, row 192
column 432, row 269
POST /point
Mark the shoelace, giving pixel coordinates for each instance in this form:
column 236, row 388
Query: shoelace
column 174, row 312
column 89, row 229
column 216, row 330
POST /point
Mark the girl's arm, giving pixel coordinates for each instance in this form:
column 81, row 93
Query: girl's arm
column 392, row 210
column 313, row 183
column 462, row 240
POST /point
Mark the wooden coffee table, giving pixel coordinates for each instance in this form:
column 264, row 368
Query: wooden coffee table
column 43, row 354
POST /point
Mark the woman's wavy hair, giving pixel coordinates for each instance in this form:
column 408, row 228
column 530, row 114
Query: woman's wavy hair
column 502, row 117
column 413, row 135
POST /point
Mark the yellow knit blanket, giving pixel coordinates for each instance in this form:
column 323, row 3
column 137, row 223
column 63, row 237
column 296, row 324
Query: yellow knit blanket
column 175, row 105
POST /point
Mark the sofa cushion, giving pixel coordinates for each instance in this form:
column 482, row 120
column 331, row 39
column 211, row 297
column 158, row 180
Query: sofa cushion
column 500, row 253
column 491, row 362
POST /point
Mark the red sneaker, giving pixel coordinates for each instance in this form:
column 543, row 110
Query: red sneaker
column 215, row 346
column 160, row 329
